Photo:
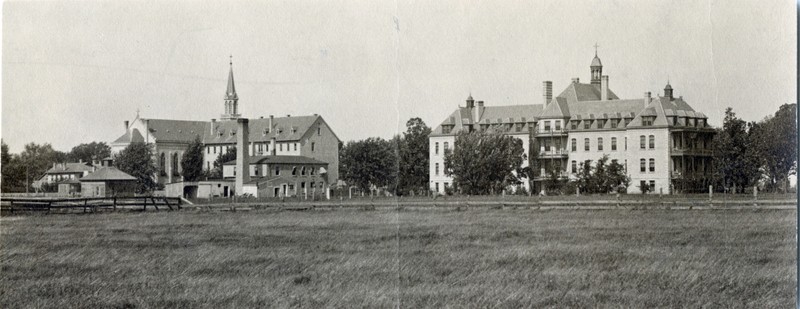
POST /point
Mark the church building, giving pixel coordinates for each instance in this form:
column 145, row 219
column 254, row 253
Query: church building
column 308, row 136
column 663, row 143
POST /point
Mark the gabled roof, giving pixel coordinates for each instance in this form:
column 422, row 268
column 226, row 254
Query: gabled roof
column 167, row 130
column 577, row 92
column 283, row 129
column 611, row 107
column 130, row 136
column 490, row 115
column 69, row 168
column 558, row 108
column 279, row 160
column 108, row 173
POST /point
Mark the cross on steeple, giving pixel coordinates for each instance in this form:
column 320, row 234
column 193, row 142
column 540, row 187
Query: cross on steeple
column 595, row 48
column 137, row 113
column 231, row 56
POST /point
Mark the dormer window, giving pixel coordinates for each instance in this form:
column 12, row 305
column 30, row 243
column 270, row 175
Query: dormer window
column 219, row 133
column 587, row 124
column 547, row 125
column 574, row 124
column 280, row 130
column 647, row 121
column 265, row 132
column 233, row 132
column 614, row 123
column 628, row 121
column 601, row 123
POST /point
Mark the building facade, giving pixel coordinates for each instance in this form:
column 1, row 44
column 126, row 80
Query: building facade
column 308, row 136
column 663, row 143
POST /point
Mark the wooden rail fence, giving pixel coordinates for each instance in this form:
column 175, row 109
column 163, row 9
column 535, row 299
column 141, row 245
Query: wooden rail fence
column 91, row 204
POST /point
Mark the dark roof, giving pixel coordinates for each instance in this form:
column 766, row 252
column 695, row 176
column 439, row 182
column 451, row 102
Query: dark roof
column 279, row 160
column 596, row 62
column 69, row 168
column 108, row 173
column 283, row 129
column 167, row 130
column 490, row 115
column 577, row 92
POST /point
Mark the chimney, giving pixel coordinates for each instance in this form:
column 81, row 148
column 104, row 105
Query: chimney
column 54, row 164
column 547, row 92
column 272, row 145
column 477, row 112
column 213, row 126
column 126, row 126
column 604, row 88
column 242, row 155
column 646, row 98
column 576, row 80
column 271, row 118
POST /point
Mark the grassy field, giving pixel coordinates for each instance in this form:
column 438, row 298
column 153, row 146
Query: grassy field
column 410, row 259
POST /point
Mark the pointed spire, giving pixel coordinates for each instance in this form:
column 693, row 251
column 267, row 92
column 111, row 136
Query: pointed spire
column 230, row 93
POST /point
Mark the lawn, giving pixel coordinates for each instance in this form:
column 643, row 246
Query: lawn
column 410, row 259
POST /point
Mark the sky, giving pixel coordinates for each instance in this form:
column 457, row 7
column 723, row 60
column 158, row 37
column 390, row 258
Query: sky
column 73, row 71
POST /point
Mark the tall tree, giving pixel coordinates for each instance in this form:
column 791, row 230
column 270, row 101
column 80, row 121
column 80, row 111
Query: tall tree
column 37, row 159
column 413, row 161
column 733, row 167
column 484, row 162
column 369, row 162
column 12, row 170
column 779, row 149
column 137, row 160
column 229, row 155
column 90, row 152
column 192, row 161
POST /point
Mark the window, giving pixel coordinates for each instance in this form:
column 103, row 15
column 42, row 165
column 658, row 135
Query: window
column 208, row 149
column 294, row 170
column 574, row 166
column 319, row 131
column 162, row 164
column 303, row 171
column 627, row 121
column 643, row 186
column 437, row 148
column 642, row 165
column 641, row 142
column 587, row 124
column 599, row 144
column 446, row 147
column 547, row 126
column 437, row 187
column 518, row 127
column 437, row 169
column 653, row 185
column 652, row 141
column 614, row 123
column 280, row 146
column 585, row 144
column 652, row 165
column 313, row 171
column 295, row 146
column 260, row 147
column 647, row 121
column 613, row 144
column 546, row 145
column 574, row 125
column 601, row 123
column 277, row 171
column 558, row 125
column 265, row 132
column 312, row 146
column 675, row 120
column 574, row 145
column 214, row 148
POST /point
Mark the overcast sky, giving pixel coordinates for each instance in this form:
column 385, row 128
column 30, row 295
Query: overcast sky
column 74, row 71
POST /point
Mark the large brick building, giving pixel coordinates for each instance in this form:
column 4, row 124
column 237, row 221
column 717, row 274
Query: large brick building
column 306, row 136
column 664, row 144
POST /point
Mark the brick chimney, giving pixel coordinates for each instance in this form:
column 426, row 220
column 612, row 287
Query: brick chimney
column 242, row 155
column 477, row 111
column 646, row 98
column 547, row 91
column 126, row 126
column 604, row 88
column 213, row 126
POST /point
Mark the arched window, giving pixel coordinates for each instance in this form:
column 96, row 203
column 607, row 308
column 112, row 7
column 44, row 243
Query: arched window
column 294, row 170
column 574, row 145
column 574, row 166
column 642, row 165
column 613, row 144
column 586, row 144
column 652, row 165
column 277, row 171
column 599, row 144
column 162, row 165
column 436, row 148
column 652, row 142
column 641, row 142
column 303, row 171
column 175, row 164
column 437, row 169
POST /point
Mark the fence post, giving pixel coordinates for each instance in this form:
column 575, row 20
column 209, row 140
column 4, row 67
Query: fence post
column 114, row 202
column 755, row 195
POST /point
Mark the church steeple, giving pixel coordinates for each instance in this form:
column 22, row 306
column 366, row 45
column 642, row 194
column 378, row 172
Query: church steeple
column 596, row 67
column 231, row 98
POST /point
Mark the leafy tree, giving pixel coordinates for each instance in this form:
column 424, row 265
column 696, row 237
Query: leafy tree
column 779, row 146
column 554, row 183
column 89, row 152
column 413, row 160
column 734, row 166
column 484, row 162
column 137, row 161
column 12, row 170
column 369, row 162
column 37, row 159
column 229, row 155
column 602, row 177
column 192, row 161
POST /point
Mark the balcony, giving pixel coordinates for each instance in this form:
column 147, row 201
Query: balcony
column 688, row 175
column 552, row 132
column 542, row 177
column 691, row 152
column 553, row 153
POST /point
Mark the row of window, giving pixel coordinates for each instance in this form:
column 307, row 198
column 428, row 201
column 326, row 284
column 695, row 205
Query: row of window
column 586, row 143
column 436, row 169
column 311, row 171
column 260, row 147
column 436, row 147
column 574, row 166
column 446, row 184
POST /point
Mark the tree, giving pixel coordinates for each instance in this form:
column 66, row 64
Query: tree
column 369, row 162
column 734, row 166
column 554, row 184
column 229, row 155
column 779, row 146
column 413, row 171
column 602, row 177
column 90, row 152
column 12, row 170
column 484, row 162
column 137, row 161
column 37, row 159
column 192, row 161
